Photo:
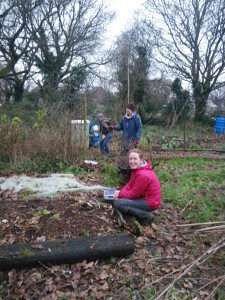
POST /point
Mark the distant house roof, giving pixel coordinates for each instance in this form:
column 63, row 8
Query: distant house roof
column 98, row 94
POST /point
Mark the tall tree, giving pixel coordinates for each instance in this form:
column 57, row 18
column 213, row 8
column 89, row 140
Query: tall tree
column 139, row 75
column 190, row 39
column 62, row 36
column 68, row 34
column 132, row 62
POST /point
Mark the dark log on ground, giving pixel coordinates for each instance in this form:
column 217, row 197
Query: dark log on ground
column 17, row 256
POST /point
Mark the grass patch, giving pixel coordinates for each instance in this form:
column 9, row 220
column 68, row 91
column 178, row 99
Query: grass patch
column 197, row 182
column 26, row 193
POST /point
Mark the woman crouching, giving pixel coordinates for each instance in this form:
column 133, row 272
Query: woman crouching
column 142, row 195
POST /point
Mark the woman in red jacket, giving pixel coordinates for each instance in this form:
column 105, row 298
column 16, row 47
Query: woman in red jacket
column 142, row 194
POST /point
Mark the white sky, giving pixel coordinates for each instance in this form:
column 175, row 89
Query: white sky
column 124, row 12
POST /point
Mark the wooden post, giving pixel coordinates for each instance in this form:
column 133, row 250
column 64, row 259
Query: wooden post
column 128, row 81
column 85, row 116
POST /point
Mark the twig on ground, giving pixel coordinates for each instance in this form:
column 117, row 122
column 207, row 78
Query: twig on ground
column 204, row 286
column 102, row 219
column 213, row 292
column 198, row 224
column 210, row 228
column 119, row 216
column 185, row 207
column 166, row 276
column 214, row 228
column 211, row 250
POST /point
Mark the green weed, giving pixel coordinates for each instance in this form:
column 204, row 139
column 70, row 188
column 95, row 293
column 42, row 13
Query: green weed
column 148, row 292
column 39, row 119
column 86, row 234
column 110, row 175
column 76, row 170
column 64, row 297
column 26, row 193
column 172, row 144
column 3, row 287
column 56, row 216
column 41, row 212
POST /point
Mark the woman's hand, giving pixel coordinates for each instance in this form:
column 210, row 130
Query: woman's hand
column 116, row 194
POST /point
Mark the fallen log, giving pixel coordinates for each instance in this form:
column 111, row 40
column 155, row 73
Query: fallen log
column 26, row 255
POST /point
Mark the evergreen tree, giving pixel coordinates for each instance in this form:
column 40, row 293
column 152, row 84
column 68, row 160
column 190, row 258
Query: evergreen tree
column 180, row 105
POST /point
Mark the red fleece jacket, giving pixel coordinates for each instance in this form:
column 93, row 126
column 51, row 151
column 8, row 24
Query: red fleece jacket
column 143, row 184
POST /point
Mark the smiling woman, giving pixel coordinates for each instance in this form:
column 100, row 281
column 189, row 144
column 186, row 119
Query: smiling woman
column 142, row 194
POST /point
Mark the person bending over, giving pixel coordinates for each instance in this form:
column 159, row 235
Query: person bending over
column 142, row 195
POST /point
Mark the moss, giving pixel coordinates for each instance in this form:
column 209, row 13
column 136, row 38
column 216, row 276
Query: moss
column 28, row 253
column 138, row 227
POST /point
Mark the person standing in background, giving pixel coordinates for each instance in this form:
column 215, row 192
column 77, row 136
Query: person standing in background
column 131, row 127
column 106, row 132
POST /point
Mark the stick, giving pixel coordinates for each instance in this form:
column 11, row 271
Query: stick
column 161, row 278
column 214, row 228
column 209, row 283
column 121, row 220
column 185, row 207
column 210, row 228
column 198, row 224
column 213, row 292
column 211, row 250
column 102, row 219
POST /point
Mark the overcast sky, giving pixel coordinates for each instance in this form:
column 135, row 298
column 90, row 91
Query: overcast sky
column 124, row 12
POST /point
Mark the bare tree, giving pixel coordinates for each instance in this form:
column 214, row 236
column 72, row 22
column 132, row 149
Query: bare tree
column 190, row 39
column 69, row 35
column 60, row 36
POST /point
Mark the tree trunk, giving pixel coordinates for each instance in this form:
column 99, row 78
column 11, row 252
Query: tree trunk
column 18, row 91
column 65, row 251
column 200, row 95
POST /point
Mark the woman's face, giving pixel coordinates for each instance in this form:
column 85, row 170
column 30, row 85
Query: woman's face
column 134, row 160
column 129, row 112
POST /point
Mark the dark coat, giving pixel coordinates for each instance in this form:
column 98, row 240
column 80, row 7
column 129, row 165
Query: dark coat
column 132, row 128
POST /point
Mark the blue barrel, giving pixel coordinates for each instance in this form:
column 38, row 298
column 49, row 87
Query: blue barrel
column 220, row 125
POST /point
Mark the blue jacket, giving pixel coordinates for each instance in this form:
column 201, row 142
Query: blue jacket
column 132, row 128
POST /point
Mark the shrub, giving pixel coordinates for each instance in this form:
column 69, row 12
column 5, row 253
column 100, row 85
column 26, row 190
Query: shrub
column 45, row 146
